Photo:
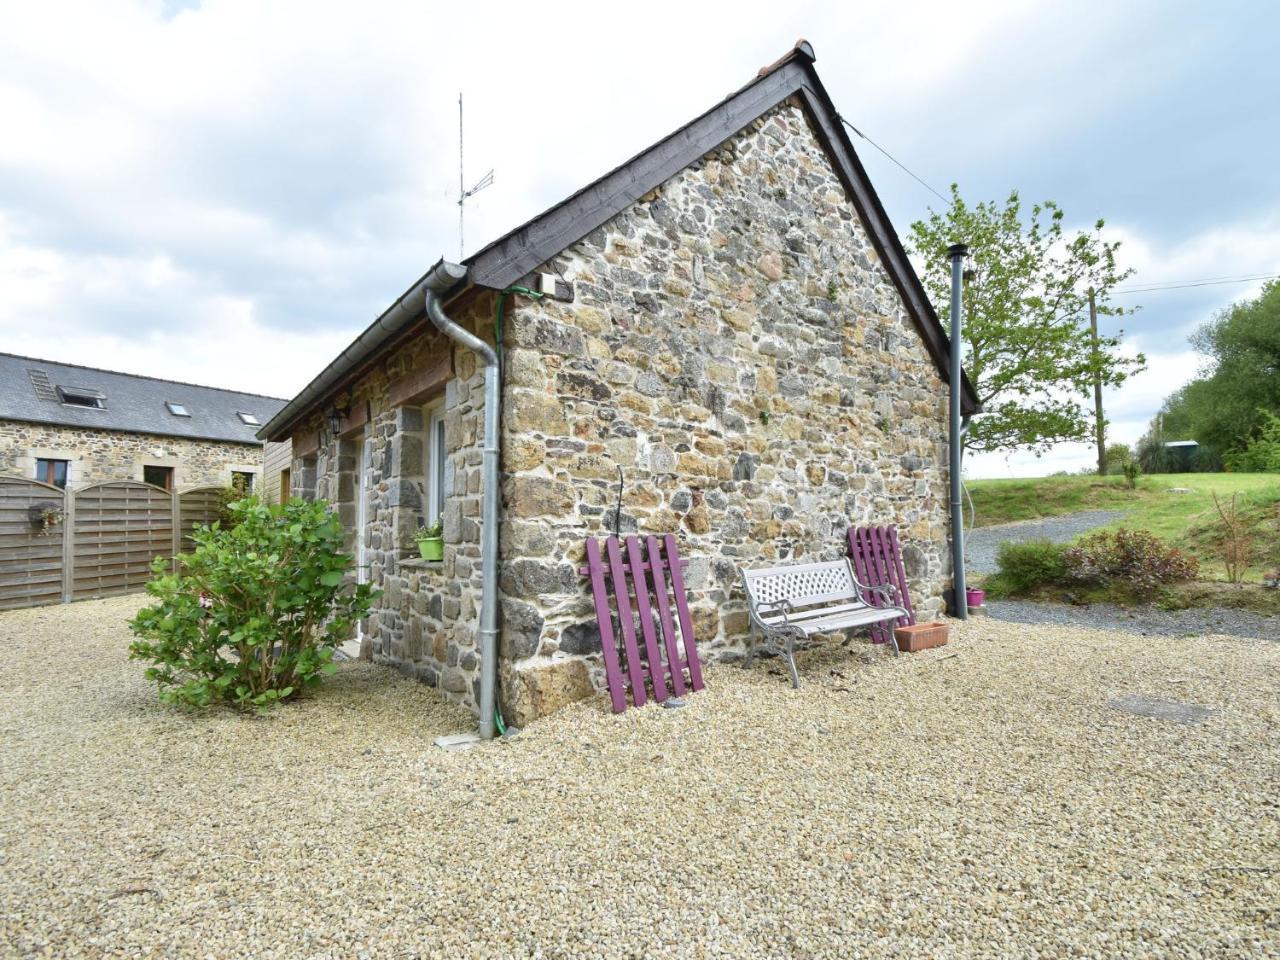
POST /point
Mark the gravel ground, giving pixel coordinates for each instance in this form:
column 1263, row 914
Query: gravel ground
column 982, row 542
column 1145, row 620
column 980, row 800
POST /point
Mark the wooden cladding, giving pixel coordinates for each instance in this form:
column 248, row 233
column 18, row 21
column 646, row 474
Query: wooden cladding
column 353, row 423
column 306, row 444
column 421, row 385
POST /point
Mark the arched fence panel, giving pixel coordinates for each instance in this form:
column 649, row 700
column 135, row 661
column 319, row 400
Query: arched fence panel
column 99, row 541
column 119, row 528
column 197, row 507
column 32, row 547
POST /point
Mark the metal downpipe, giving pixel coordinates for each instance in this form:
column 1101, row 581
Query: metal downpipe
column 441, row 278
column 957, row 253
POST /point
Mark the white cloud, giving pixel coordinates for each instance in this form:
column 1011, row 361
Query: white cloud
column 229, row 194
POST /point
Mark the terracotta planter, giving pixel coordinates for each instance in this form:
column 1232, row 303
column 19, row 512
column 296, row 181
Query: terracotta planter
column 921, row 636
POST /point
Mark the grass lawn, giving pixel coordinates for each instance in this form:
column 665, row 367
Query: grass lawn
column 1188, row 520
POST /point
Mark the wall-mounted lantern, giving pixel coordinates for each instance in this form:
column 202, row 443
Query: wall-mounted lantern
column 336, row 416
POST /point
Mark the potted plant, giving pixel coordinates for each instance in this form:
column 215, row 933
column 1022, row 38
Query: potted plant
column 46, row 516
column 431, row 541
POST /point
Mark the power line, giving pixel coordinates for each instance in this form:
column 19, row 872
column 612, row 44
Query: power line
column 900, row 164
column 1205, row 282
column 1145, row 288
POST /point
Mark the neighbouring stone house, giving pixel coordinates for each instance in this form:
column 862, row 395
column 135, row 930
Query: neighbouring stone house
column 71, row 426
column 729, row 327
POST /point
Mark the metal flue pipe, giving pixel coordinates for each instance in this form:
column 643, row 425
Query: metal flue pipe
column 960, row 604
column 443, row 277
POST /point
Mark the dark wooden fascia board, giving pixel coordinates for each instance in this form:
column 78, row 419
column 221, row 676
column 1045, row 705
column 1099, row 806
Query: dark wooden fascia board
column 514, row 256
column 519, row 252
column 508, row 259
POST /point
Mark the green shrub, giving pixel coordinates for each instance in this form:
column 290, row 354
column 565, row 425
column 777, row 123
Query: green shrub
column 1131, row 558
column 1023, row 567
column 1262, row 454
column 1117, row 455
column 253, row 614
column 1132, row 470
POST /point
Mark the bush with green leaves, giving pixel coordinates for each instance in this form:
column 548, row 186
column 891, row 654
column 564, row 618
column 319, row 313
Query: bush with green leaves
column 1026, row 566
column 254, row 613
column 1262, row 453
column 1133, row 559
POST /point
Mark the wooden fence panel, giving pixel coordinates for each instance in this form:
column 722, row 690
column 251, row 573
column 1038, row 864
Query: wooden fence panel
column 201, row 505
column 120, row 527
column 31, row 559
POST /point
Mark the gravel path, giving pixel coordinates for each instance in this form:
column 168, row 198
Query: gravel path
column 982, row 542
column 1145, row 620
column 980, row 800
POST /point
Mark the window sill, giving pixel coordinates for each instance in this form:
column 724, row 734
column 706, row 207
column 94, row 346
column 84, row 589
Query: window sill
column 417, row 563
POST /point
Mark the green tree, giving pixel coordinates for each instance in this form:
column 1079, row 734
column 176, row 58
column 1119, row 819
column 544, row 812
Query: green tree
column 1026, row 322
column 1230, row 404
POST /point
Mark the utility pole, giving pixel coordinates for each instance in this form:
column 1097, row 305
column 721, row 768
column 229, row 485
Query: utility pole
column 1100, row 424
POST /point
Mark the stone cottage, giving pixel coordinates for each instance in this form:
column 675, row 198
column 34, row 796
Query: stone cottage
column 70, row 426
column 722, row 338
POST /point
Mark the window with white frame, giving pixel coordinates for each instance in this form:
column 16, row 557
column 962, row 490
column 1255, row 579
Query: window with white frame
column 436, row 462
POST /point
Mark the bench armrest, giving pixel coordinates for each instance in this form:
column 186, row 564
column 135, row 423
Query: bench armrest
column 783, row 605
column 887, row 591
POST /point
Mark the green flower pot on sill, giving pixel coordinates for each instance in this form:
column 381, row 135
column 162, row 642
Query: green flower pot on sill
column 431, row 548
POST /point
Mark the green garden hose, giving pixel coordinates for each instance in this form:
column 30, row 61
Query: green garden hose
column 497, row 318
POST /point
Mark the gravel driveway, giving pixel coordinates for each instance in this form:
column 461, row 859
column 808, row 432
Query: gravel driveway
column 980, row 800
column 982, row 543
column 1145, row 620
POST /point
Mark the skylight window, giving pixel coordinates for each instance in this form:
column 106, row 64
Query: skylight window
column 82, row 397
column 250, row 419
column 177, row 409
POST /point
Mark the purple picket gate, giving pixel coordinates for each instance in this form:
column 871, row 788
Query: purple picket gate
column 877, row 560
column 638, row 578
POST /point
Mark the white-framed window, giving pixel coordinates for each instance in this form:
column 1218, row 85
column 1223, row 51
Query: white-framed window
column 437, row 461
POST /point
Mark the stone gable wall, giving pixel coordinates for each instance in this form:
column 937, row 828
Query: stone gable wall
column 736, row 347
column 98, row 455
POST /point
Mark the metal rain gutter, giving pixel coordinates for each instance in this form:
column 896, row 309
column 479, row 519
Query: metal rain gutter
column 392, row 321
column 441, row 278
column 960, row 600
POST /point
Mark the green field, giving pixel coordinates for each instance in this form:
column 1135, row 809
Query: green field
column 1188, row 520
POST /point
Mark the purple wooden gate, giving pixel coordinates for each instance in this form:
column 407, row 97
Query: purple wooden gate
column 650, row 567
column 877, row 560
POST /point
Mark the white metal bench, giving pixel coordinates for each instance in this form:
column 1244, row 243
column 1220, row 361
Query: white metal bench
column 798, row 600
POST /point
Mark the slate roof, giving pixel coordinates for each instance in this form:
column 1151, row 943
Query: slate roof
column 511, row 257
column 132, row 403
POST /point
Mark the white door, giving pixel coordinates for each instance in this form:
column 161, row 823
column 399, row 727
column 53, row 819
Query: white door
column 352, row 647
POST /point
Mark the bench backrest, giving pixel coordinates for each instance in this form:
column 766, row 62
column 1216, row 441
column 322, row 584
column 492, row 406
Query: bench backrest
column 808, row 587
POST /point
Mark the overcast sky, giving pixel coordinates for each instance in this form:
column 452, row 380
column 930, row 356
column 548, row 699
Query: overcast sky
column 228, row 192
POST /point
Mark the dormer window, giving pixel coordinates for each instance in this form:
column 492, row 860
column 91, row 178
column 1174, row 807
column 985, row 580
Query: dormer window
column 177, row 409
column 250, row 419
column 82, row 397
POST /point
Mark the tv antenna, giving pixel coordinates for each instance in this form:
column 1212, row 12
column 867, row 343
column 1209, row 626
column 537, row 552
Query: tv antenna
column 463, row 193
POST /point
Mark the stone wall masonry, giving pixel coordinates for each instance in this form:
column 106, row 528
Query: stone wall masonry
column 736, row 347
column 98, row 455
column 425, row 622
